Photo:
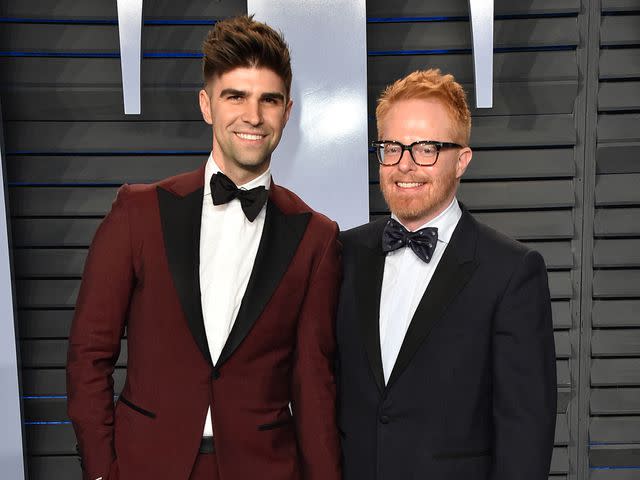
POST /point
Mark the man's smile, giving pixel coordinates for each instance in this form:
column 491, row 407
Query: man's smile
column 409, row 185
column 250, row 136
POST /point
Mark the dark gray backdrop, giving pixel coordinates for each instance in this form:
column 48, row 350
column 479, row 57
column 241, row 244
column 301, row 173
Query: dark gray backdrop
column 556, row 165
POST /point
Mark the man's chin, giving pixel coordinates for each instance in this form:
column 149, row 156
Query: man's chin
column 408, row 216
column 254, row 164
column 406, row 209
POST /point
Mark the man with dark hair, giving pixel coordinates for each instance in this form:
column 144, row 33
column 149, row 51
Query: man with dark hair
column 446, row 353
column 227, row 285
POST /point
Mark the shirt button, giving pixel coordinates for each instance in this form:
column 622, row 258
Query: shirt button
column 215, row 374
column 384, row 419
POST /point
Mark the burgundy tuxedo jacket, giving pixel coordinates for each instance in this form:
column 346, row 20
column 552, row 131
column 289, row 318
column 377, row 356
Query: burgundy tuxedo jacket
column 142, row 273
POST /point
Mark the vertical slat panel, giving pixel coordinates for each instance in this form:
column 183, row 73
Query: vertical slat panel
column 614, row 432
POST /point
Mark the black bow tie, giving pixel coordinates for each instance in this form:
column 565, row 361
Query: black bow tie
column 223, row 190
column 422, row 242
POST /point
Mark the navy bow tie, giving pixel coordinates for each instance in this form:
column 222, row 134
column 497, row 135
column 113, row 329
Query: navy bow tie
column 223, row 190
column 422, row 242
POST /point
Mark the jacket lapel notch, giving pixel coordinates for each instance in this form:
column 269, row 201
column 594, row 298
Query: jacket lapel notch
column 181, row 217
column 281, row 236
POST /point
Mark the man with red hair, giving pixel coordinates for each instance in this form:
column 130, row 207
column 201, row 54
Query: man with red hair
column 446, row 355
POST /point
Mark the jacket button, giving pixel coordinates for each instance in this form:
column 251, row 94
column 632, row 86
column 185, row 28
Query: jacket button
column 215, row 374
column 384, row 419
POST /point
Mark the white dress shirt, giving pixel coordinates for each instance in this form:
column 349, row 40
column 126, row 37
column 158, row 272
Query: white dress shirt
column 404, row 282
column 228, row 247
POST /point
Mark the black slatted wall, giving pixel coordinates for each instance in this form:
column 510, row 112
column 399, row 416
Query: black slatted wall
column 536, row 175
column 614, row 273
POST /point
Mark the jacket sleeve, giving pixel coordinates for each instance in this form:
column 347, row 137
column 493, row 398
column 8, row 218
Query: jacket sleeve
column 524, row 378
column 313, row 384
column 94, row 341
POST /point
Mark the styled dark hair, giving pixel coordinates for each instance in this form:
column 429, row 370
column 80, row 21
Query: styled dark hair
column 244, row 42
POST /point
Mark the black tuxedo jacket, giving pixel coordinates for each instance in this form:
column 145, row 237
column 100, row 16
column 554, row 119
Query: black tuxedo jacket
column 473, row 391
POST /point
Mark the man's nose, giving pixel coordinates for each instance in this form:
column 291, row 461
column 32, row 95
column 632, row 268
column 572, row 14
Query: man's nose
column 406, row 163
column 252, row 113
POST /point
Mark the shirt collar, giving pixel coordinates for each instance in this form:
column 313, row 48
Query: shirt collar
column 445, row 222
column 264, row 179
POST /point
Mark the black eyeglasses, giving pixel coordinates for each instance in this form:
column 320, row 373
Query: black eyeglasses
column 423, row 152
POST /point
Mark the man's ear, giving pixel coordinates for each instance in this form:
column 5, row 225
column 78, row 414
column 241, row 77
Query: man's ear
column 464, row 158
column 205, row 106
column 287, row 111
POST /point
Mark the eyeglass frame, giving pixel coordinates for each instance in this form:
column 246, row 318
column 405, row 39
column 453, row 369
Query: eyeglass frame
column 439, row 146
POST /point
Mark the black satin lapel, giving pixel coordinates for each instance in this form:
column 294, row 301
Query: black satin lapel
column 181, row 218
column 453, row 272
column 370, row 270
column 280, row 239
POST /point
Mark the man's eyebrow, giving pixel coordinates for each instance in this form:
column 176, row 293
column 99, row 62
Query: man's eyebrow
column 233, row 92
column 273, row 95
